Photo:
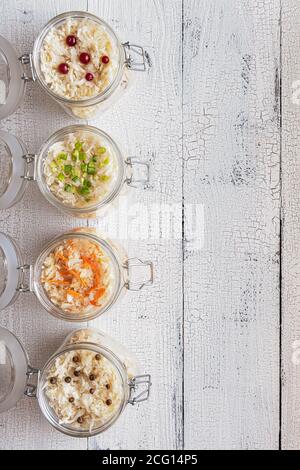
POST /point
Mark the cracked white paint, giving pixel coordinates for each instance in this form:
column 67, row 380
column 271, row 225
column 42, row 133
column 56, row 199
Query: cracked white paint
column 219, row 148
column 231, row 151
column 291, row 226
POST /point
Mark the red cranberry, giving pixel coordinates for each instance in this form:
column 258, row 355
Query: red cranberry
column 105, row 59
column 71, row 40
column 63, row 68
column 84, row 58
column 89, row 77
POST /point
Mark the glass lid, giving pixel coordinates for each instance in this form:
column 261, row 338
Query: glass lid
column 12, row 85
column 12, row 170
column 10, row 274
column 13, row 369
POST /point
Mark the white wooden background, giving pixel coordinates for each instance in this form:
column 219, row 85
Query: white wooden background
column 217, row 118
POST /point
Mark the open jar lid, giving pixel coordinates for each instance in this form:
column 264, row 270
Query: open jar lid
column 10, row 271
column 12, row 170
column 12, row 83
column 13, row 369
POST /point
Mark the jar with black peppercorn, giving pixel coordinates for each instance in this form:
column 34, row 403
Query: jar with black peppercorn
column 82, row 389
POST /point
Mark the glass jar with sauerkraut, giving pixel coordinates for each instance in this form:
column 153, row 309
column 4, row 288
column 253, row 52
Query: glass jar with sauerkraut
column 79, row 169
column 82, row 389
column 77, row 277
column 77, row 59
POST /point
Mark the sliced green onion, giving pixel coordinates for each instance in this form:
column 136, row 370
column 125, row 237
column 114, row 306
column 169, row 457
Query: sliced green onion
column 104, row 162
column 68, row 169
column 68, row 188
column 101, row 150
column 53, row 166
column 83, row 167
column 104, row 177
column 61, row 177
column 62, row 156
column 91, row 170
column 82, row 156
column 75, row 172
column 78, row 145
column 75, row 155
column 76, row 179
column 87, row 183
column 94, row 159
column 84, row 190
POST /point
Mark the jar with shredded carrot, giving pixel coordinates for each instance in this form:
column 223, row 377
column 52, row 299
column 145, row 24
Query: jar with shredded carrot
column 76, row 276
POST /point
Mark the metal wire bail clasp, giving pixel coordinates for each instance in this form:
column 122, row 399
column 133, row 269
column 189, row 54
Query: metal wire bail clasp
column 135, row 284
column 136, row 58
column 23, row 286
column 134, row 385
column 134, row 180
column 29, row 174
column 26, row 59
column 30, row 390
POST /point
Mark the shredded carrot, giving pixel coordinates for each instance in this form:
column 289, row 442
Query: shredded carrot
column 61, row 257
column 75, row 274
column 75, row 294
column 58, row 283
column 89, row 261
column 64, row 273
column 99, row 293
column 96, row 271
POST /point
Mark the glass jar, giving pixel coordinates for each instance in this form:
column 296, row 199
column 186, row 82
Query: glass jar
column 94, row 352
column 13, row 75
column 121, row 274
column 18, row 167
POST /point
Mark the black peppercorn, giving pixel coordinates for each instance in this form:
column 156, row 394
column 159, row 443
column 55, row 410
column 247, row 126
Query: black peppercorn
column 68, row 380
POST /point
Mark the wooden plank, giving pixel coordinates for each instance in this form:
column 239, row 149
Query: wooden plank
column 33, row 222
column 290, row 227
column 232, row 154
column 147, row 123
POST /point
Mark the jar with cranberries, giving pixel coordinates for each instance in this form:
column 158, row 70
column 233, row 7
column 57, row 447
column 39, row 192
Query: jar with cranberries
column 78, row 60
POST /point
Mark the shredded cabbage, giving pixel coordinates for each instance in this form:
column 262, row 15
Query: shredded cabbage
column 92, row 38
column 92, row 394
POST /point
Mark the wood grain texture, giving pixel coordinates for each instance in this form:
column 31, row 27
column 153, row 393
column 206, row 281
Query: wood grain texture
column 207, row 117
column 147, row 123
column 231, row 167
column 150, row 322
column 32, row 223
column 290, row 226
